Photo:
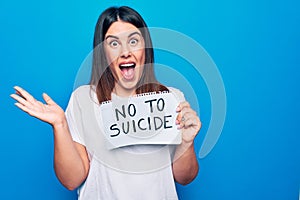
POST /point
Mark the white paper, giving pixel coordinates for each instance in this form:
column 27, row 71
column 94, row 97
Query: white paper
column 144, row 119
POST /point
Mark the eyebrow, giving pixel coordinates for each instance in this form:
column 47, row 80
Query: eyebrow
column 113, row 36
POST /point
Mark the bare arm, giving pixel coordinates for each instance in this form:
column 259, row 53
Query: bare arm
column 71, row 162
column 185, row 165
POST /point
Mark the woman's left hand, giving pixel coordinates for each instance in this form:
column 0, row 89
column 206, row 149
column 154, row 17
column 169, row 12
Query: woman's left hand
column 188, row 121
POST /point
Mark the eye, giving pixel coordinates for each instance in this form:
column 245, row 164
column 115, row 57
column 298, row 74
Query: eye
column 133, row 42
column 114, row 44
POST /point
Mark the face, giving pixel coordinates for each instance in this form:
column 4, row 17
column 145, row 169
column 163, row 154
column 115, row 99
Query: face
column 125, row 52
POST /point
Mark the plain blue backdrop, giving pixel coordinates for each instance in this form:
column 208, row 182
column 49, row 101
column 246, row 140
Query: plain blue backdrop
column 255, row 45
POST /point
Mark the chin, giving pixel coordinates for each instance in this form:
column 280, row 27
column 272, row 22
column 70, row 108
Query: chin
column 127, row 86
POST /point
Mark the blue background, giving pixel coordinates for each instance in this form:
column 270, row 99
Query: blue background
column 255, row 45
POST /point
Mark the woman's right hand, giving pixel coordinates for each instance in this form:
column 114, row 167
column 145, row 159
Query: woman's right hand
column 49, row 112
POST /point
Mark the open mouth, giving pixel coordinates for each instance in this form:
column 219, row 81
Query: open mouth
column 127, row 70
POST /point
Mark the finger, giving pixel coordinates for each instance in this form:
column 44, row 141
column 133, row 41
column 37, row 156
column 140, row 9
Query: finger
column 19, row 99
column 181, row 112
column 18, row 93
column 48, row 99
column 195, row 122
column 182, row 105
column 22, row 107
column 186, row 118
column 24, row 94
column 188, row 110
column 185, row 111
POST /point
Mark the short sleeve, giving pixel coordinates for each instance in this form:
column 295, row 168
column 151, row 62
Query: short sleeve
column 73, row 118
column 177, row 93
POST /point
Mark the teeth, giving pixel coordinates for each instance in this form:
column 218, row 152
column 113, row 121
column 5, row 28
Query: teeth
column 127, row 65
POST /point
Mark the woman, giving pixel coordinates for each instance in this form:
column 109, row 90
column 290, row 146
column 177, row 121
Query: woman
column 122, row 66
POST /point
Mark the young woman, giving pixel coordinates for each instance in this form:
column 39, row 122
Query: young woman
column 122, row 66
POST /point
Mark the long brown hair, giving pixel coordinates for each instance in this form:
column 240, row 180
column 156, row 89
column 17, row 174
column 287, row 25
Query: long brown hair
column 102, row 76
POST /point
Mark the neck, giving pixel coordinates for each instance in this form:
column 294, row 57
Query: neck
column 123, row 92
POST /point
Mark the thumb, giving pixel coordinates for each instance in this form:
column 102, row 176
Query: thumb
column 48, row 99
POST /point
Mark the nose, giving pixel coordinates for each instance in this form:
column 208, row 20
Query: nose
column 125, row 51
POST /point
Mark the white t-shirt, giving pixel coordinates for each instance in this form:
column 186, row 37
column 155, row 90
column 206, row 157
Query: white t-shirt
column 127, row 173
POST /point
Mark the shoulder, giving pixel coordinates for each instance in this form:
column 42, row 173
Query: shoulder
column 174, row 90
column 177, row 93
column 83, row 89
column 84, row 93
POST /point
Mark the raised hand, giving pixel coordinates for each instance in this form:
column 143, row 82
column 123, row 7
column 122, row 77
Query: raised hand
column 49, row 112
column 188, row 121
